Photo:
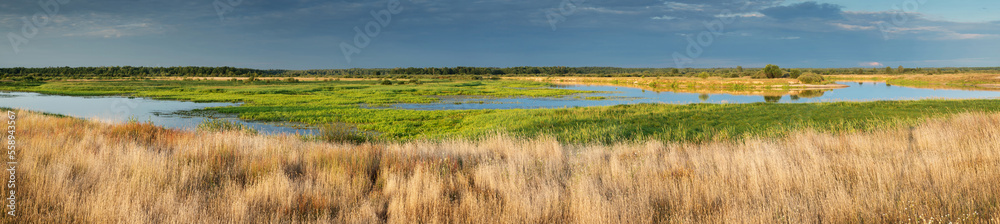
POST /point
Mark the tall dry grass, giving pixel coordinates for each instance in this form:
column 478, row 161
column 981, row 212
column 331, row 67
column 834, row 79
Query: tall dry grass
column 75, row 171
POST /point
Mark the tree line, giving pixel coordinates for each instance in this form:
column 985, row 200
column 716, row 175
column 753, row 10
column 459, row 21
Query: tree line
column 456, row 72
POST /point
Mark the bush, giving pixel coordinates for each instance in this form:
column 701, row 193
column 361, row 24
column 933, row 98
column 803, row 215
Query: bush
column 386, row 82
column 290, row 79
column 221, row 125
column 811, row 78
column 342, row 133
column 703, row 75
column 759, row 75
column 773, row 71
column 795, row 73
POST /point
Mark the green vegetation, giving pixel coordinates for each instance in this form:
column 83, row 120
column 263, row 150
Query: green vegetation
column 142, row 73
column 343, row 133
column 216, row 125
column 794, row 73
column 354, row 104
column 772, row 71
column 810, row 78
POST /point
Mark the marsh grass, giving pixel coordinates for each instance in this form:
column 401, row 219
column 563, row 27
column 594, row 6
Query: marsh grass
column 223, row 125
column 343, row 133
column 319, row 103
column 76, row 171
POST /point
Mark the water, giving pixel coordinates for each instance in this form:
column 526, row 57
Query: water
column 121, row 109
column 869, row 91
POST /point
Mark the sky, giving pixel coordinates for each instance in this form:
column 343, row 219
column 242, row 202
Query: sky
column 325, row 34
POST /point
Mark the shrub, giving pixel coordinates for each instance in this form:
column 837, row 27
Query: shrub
column 290, row 79
column 811, row 78
column 386, row 82
column 773, row 71
column 342, row 133
column 221, row 125
column 703, row 75
column 759, row 75
column 795, row 73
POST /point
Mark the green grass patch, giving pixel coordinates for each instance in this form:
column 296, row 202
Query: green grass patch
column 342, row 102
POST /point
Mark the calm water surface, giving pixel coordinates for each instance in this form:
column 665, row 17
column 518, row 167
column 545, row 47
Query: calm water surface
column 869, row 91
column 121, row 109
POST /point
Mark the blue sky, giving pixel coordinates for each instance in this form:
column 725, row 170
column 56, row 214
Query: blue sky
column 312, row 34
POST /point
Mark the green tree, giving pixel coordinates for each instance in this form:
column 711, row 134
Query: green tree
column 888, row 70
column 772, row 71
column 795, row 73
column 703, row 75
column 739, row 69
column 901, row 70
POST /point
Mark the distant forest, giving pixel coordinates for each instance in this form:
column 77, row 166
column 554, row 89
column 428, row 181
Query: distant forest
column 474, row 72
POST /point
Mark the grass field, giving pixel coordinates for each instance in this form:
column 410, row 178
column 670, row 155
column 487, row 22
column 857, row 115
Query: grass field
column 323, row 102
column 938, row 171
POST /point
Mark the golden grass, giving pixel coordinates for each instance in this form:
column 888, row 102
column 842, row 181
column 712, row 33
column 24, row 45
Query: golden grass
column 712, row 85
column 74, row 171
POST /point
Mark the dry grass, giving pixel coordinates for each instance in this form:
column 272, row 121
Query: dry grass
column 75, row 171
column 712, row 85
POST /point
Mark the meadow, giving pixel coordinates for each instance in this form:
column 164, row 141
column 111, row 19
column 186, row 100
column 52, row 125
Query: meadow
column 925, row 161
column 78, row 171
column 355, row 103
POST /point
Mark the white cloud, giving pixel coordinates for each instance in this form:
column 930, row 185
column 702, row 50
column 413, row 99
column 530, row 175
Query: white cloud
column 107, row 26
column 664, row 18
column 937, row 33
column 740, row 15
column 871, row 64
column 685, row 6
column 852, row 27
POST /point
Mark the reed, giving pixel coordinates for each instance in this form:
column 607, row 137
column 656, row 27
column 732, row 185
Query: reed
column 77, row 171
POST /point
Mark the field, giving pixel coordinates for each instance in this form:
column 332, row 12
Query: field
column 925, row 161
column 326, row 101
column 71, row 170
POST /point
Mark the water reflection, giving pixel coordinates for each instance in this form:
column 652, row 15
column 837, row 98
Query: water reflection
column 121, row 109
column 772, row 99
column 811, row 93
column 615, row 95
column 703, row 97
